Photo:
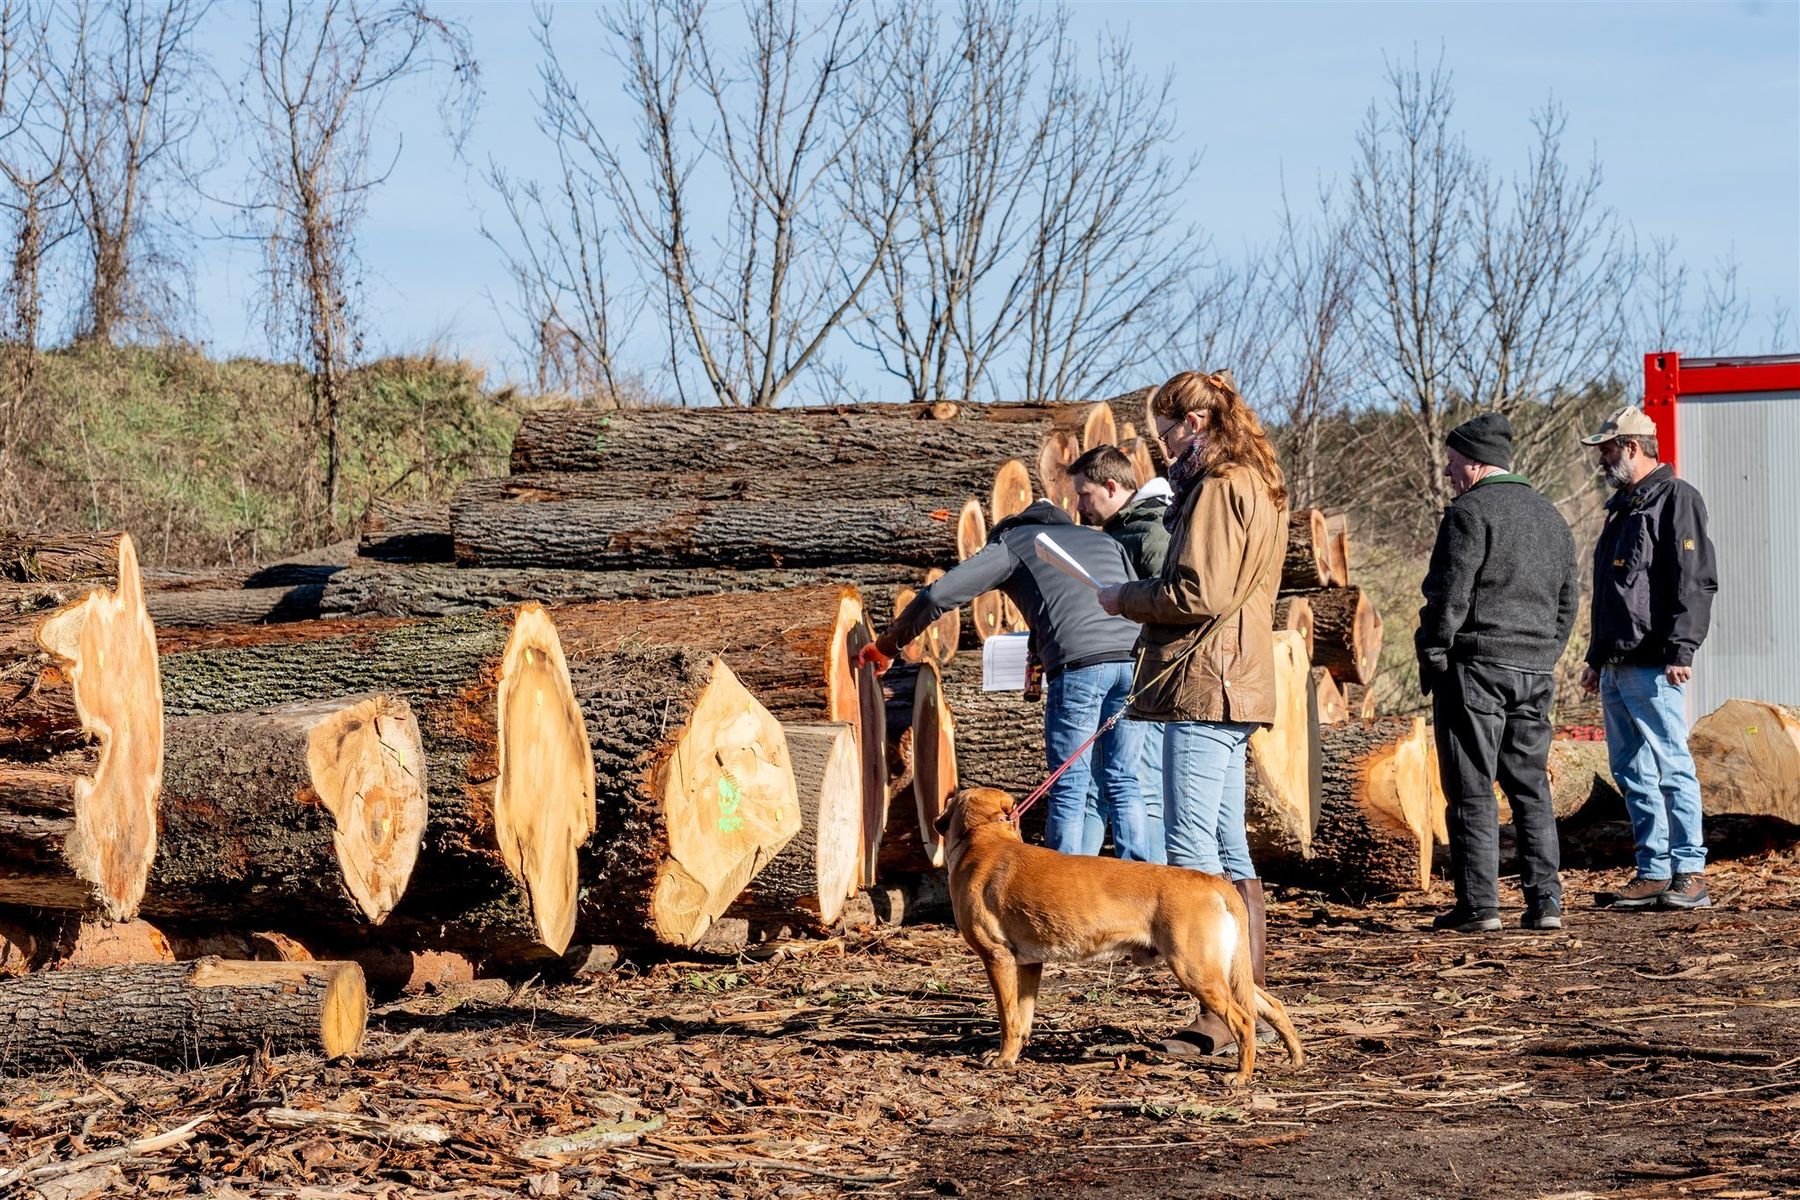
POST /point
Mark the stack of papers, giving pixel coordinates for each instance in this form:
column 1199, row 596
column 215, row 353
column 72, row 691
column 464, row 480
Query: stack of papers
column 1003, row 662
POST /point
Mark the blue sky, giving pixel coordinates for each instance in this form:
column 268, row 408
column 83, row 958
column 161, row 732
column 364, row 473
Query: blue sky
column 1693, row 109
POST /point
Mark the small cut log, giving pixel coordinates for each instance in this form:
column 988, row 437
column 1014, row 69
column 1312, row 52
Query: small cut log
column 822, row 867
column 1374, row 835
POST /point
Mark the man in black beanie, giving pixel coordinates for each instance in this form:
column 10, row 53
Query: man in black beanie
column 1500, row 601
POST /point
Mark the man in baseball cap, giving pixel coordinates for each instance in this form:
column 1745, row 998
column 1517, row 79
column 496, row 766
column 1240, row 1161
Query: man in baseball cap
column 1654, row 579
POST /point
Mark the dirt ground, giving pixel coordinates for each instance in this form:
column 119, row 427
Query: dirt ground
column 1632, row 1055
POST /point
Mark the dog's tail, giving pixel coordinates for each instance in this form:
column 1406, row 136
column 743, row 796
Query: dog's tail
column 1269, row 1009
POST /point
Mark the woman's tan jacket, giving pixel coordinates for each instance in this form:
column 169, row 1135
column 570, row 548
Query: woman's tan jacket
column 1229, row 539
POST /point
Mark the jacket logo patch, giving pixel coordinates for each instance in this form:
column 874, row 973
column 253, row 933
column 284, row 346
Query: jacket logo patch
column 1618, row 562
column 1687, row 544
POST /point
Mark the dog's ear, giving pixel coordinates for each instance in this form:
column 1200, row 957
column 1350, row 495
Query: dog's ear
column 942, row 824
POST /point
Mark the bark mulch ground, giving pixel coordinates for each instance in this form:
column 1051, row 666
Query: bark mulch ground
column 1632, row 1055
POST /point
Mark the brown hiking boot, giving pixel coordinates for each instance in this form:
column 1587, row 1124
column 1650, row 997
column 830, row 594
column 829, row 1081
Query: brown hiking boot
column 1686, row 891
column 1639, row 893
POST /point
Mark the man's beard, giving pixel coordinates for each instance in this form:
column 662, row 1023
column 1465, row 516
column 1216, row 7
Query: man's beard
column 1617, row 475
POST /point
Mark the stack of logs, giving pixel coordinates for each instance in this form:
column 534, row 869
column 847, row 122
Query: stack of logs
column 602, row 700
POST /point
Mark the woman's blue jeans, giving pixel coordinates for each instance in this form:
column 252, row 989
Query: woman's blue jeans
column 1203, row 803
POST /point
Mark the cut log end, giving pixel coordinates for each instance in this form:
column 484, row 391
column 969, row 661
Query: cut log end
column 939, row 641
column 368, row 769
column 1060, row 449
column 914, row 650
column 729, row 799
column 1279, row 793
column 1100, row 427
column 934, row 759
column 1012, row 491
column 1143, row 466
column 343, row 1007
column 544, row 797
column 1747, row 755
column 108, row 646
column 841, row 687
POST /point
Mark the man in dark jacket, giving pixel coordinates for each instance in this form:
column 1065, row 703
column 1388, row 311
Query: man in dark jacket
column 1500, row 602
column 1107, row 495
column 1654, row 579
column 1087, row 659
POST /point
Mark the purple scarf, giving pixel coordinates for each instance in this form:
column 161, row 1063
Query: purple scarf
column 1184, row 473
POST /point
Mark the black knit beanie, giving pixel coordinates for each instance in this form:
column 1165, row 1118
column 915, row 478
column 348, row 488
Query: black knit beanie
column 1484, row 439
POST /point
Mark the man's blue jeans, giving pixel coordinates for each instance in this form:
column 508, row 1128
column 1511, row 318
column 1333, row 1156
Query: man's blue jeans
column 1203, row 772
column 1646, row 742
column 1150, row 781
column 1076, row 703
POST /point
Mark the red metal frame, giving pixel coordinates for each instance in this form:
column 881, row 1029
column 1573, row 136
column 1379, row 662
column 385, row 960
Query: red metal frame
column 1667, row 378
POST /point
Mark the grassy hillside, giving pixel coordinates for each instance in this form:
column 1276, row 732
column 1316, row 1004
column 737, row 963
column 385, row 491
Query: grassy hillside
column 209, row 461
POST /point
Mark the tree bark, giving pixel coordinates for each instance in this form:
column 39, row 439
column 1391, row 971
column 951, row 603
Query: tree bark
column 1747, row 755
column 403, row 531
column 801, row 440
column 1282, row 765
column 442, row 591
column 510, row 778
column 1308, row 562
column 696, row 793
column 1295, row 613
column 240, row 606
column 1374, row 835
column 898, row 476
column 635, row 534
column 81, row 737
column 312, row 811
column 1346, row 633
column 822, row 867
column 182, row 1012
column 999, row 735
column 60, row 558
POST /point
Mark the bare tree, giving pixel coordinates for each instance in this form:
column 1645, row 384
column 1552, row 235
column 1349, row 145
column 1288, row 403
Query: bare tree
column 1670, row 318
column 133, row 93
column 318, row 77
column 1481, row 293
column 33, row 154
column 731, row 201
column 1042, row 224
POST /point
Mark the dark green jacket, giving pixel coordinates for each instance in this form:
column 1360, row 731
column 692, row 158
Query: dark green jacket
column 1139, row 528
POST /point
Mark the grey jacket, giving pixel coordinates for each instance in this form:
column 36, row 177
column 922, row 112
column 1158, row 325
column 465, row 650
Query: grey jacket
column 1068, row 627
column 1501, row 587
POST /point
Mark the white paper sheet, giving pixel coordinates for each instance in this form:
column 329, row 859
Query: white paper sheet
column 1003, row 662
column 1059, row 558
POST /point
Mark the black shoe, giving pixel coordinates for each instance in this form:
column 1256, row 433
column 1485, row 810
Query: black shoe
column 1468, row 920
column 1686, row 891
column 1546, row 914
column 1639, row 893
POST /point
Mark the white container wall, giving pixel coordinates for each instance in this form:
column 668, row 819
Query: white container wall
column 1741, row 451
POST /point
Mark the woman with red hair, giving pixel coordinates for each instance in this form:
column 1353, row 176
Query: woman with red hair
column 1211, row 688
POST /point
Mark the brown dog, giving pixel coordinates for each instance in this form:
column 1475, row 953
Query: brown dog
column 1021, row 906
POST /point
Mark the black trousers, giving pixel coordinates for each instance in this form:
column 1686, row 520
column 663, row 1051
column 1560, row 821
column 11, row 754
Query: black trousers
column 1493, row 725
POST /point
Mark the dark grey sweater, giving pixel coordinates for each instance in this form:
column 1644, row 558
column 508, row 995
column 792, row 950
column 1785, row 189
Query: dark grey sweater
column 1502, row 585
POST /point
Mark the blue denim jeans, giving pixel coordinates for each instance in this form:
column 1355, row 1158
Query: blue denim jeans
column 1150, row 783
column 1076, row 703
column 1646, row 742
column 1203, row 778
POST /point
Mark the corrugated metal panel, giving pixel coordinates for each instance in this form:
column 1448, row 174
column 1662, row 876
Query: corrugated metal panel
column 1743, row 452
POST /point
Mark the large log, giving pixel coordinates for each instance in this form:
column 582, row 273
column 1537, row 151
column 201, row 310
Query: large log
column 695, row 793
column 182, row 1012
column 311, row 811
column 1581, row 784
column 236, row 606
column 406, row 531
column 1747, row 755
column 897, row 476
column 934, row 759
column 57, row 558
column 1295, row 613
column 440, row 591
column 1281, row 777
column 1374, row 835
column 1308, row 562
column 822, row 867
column 632, row 534
column 510, row 776
column 796, row 441
column 81, row 737
column 1346, row 633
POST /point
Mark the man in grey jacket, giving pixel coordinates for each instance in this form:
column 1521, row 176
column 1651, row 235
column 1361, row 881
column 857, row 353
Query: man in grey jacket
column 1500, row 601
column 1087, row 658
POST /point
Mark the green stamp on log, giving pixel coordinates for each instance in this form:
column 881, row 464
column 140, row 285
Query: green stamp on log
column 730, row 798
